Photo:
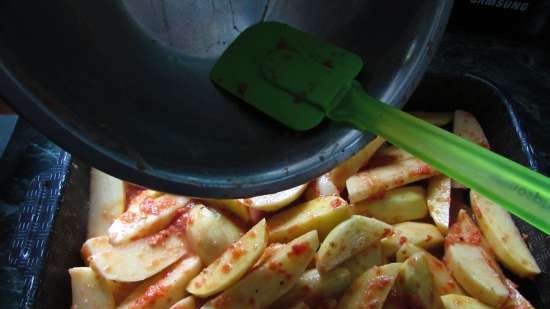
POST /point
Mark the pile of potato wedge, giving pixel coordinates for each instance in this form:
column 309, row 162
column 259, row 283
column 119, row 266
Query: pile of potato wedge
column 381, row 230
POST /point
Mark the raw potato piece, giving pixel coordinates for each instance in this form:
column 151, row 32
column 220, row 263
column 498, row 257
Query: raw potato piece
column 136, row 260
column 186, row 303
column 149, row 216
column 120, row 290
column 515, row 299
column 503, row 236
column 373, row 183
column 398, row 205
column 321, row 214
column 423, row 235
column 266, row 283
column 232, row 264
column 107, row 202
column 235, row 206
column 321, row 186
column 453, row 301
column 210, row 233
column 313, row 287
column 164, row 289
column 275, row 201
column 371, row 288
column 389, row 155
column 438, row 198
column 425, row 279
column 348, row 239
column 470, row 267
column 89, row 290
column 435, row 118
column 364, row 260
column 406, row 251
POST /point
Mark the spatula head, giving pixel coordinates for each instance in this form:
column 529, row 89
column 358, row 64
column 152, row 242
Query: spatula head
column 286, row 73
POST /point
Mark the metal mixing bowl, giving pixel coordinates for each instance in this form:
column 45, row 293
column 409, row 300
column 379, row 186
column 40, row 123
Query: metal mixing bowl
column 124, row 84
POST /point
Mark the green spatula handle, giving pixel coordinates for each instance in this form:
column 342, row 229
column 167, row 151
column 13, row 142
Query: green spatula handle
column 523, row 192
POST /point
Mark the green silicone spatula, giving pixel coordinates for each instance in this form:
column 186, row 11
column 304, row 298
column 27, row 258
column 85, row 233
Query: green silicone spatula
column 298, row 80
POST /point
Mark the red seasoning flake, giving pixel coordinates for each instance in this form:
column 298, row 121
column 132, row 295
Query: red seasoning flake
column 388, row 232
column 402, row 240
column 299, row 249
column 151, row 295
column 226, row 268
column 336, row 203
column 429, row 237
column 422, row 170
column 237, row 252
column 128, row 217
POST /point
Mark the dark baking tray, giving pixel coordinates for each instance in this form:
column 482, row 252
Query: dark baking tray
column 436, row 93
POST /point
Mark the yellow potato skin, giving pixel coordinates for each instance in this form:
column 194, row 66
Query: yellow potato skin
column 320, row 214
column 453, row 301
column 438, row 200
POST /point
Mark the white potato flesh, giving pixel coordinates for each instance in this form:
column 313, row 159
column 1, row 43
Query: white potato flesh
column 398, row 205
column 321, row 186
column 136, row 260
column 454, row 301
column 321, row 214
column 120, row 290
column 147, row 217
column 107, row 202
column 234, row 206
column 425, row 279
column 469, row 266
column 438, row 199
column 232, row 264
column 210, row 233
column 270, row 280
column 313, row 287
column 423, row 235
column 164, row 289
column 436, row 118
column 503, row 236
column 275, row 201
column 515, row 299
column 371, row 288
column 406, row 251
column 374, row 183
column 347, row 239
column 186, row 303
column 89, row 290
column 364, row 260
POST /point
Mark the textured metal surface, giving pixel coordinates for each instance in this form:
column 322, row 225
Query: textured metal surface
column 123, row 84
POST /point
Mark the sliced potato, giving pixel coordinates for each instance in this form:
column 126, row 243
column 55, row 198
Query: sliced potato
column 327, row 304
column 136, row 260
column 321, row 186
column 364, row 260
column 398, row 205
column 313, row 287
column 164, row 289
column 321, row 214
column 89, row 290
column 347, row 239
column 471, row 268
column 120, row 290
column 107, row 202
column 454, row 301
column 464, row 230
column 388, row 155
column 438, row 199
column 503, row 236
column 232, row 264
column 149, row 216
column 300, row 305
column 435, row 118
column 371, row 288
column 186, row 303
column 424, row 235
column 209, row 232
column 275, row 201
column 425, row 279
column 515, row 299
column 235, row 206
column 269, row 281
column 406, row 251
column 374, row 183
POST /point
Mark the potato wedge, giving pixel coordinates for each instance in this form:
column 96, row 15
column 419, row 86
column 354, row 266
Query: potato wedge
column 321, row 186
column 210, row 233
column 454, row 301
column 423, row 235
column 136, row 260
column 503, row 236
column 388, row 155
column 265, row 284
column 515, row 299
column 347, row 239
column 321, row 214
column 471, row 268
column 300, row 305
column 107, row 202
column 436, row 118
column 313, row 287
column 120, row 290
column 364, row 260
column 371, row 288
column 406, row 251
column 425, row 279
column 374, row 183
column 275, row 201
column 147, row 217
column 398, row 205
column 232, row 264
column 89, row 290
column 438, row 199
column 164, row 289
column 186, row 303
column 234, row 206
